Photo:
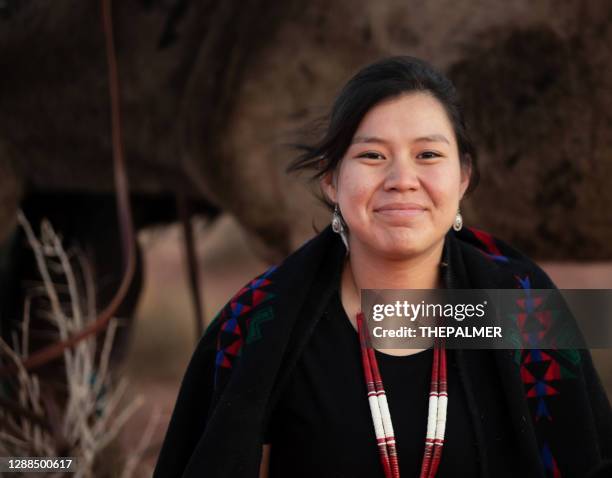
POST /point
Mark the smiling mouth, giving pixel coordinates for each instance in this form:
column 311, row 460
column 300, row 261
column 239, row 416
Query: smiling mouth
column 400, row 212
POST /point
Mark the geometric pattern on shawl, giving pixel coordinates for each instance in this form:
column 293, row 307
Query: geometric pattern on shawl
column 540, row 370
column 237, row 327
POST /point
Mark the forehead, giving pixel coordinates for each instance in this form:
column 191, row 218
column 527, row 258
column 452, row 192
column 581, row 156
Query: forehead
column 408, row 116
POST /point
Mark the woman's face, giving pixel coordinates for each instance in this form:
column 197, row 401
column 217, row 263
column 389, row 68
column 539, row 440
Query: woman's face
column 399, row 183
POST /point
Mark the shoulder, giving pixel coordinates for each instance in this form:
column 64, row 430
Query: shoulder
column 249, row 314
column 503, row 259
column 238, row 321
column 261, row 290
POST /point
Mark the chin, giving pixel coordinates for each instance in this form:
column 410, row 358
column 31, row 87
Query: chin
column 402, row 249
column 407, row 238
column 395, row 242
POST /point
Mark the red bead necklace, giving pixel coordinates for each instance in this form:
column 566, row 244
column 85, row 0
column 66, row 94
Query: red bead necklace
column 381, row 417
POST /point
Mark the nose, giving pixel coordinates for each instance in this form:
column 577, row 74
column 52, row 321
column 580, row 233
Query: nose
column 401, row 176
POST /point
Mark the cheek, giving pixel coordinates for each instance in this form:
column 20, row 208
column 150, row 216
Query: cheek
column 355, row 204
column 443, row 188
column 356, row 194
column 357, row 189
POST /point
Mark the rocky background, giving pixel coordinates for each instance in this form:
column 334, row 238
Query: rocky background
column 212, row 92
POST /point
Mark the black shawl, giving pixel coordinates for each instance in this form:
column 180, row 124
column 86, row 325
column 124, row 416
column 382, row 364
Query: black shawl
column 561, row 415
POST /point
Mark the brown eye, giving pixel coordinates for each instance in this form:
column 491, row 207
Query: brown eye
column 428, row 155
column 371, row 155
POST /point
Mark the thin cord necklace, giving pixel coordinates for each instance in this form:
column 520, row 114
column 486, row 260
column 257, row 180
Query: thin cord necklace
column 381, row 417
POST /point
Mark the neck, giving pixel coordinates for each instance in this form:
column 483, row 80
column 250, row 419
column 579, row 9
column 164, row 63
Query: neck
column 370, row 271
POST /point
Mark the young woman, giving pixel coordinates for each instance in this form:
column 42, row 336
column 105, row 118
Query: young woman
column 283, row 384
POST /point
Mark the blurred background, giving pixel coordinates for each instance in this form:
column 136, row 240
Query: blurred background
column 211, row 93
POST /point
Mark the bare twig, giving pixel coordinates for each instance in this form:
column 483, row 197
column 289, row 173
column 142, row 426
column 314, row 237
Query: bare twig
column 93, row 413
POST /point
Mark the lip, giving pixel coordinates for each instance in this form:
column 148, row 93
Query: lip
column 400, row 206
column 397, row 209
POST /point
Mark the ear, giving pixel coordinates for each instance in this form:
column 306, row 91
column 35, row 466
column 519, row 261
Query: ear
column 466, row 174
column 328, row 186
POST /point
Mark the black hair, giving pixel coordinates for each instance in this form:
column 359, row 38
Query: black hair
column 384, row 79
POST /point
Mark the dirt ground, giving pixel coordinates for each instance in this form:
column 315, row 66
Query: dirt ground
column 163, row 337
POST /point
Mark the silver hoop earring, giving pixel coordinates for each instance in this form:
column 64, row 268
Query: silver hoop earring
column 339, row 226
column 458, row 224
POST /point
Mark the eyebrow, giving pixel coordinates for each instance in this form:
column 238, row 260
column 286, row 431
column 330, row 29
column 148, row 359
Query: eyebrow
column 431, row 138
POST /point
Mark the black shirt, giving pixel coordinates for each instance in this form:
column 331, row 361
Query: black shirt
column 322, row 425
